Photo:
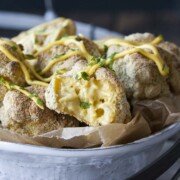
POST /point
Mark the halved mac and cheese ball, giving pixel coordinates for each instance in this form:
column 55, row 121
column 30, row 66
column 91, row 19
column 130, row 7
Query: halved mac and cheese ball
column 100, row 100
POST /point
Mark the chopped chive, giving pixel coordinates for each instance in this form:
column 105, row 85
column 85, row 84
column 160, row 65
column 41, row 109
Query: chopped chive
column 105, row 48
column 85, row 105
column 96, row 60
column 33, row 95
column 111, row 60
column 91, row 63
column 110, row 65
column 112, row 55
column 29, row 56
column 2, row 81
column 102, row 63
column 58, row 55
column 39, row 102
column 36, row 40
column 22, row 88
column 84, row 75
column 14, row 48
column 11, row 86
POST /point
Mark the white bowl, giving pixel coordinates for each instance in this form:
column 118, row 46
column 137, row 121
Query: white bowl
column 26, row 162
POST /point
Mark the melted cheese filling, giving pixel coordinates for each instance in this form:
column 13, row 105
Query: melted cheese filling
column 99, row 94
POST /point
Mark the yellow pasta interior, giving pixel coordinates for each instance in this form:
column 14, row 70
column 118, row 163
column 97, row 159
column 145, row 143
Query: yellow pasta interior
column 92, row 102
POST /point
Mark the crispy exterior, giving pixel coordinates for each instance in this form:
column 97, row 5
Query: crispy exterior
column 170, row 52
column 46, row 57
column 44, row 34
column 139, row 76
column 140, row 37
column 23, row 115
column 103, row 91
column 148, row 37
column 10, row 70
column 172, row 61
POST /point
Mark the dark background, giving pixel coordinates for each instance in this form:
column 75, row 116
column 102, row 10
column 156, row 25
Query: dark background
column 125, row 16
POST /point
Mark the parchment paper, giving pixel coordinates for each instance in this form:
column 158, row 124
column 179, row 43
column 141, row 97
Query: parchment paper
column 149, row 116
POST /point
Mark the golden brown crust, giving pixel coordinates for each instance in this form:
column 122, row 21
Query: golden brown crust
column 23, row 115
column 139, row 76
column 10, row 70
column 44, row 58
column 44, row 34
column 173, row 62
column 140, row 37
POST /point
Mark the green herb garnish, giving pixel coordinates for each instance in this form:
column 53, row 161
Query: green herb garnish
column 92, row 61
column 84, row 75
column 22, row 88
column 39, row 102
column 14, row 48
column 58, row 55
column 105, row 48
column 112, row 55
column 97, row 60
column 111, row 60
column 2, row 81
column 29, row 56
column 11, row 86
column 33, row 95
column 85, row 105
column 36, row 40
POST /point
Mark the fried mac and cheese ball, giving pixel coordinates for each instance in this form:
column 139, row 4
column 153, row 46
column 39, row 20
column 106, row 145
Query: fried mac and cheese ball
column 44, row 34
column 140, row 75
column 9, row 69
column 65, row 47
column 23, row 116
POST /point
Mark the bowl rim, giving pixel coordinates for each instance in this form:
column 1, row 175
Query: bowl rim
column 143, row 143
